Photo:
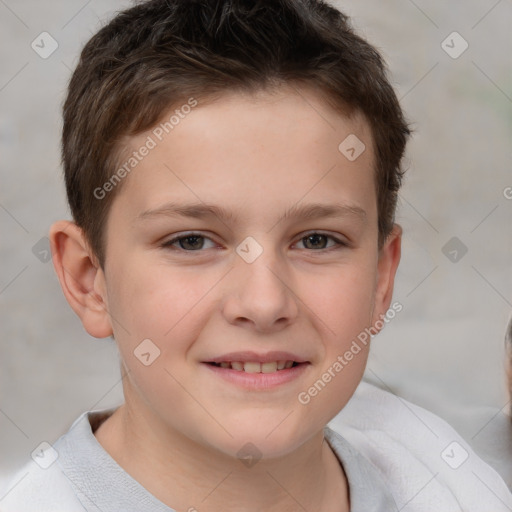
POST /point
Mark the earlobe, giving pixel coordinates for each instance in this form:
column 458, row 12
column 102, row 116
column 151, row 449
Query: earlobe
column 81, row 278
column 389, row 258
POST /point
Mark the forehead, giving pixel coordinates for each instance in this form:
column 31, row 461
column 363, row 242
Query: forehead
column 249, row 150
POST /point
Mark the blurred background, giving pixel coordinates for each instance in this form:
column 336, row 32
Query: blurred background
column 451, row 66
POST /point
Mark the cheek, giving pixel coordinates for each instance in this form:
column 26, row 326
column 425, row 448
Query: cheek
column 158, row 315
column 345, row 301
column 167, row 307
column 344, row 315
column 344, row 308
column 156, row 299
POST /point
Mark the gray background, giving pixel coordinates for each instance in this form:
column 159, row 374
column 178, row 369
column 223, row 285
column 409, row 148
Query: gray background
column 444, row 351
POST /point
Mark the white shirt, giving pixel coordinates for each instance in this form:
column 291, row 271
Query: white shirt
column 397, row 456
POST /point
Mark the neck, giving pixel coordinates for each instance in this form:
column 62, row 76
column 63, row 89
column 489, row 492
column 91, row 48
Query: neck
column 189, row 476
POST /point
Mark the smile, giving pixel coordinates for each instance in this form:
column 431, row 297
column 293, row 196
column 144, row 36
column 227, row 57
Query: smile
column 255, row 367
column 255, row 376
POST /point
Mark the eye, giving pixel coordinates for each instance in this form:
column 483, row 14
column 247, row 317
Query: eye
column 195, row 242
column 192, row 242
column 318, row 241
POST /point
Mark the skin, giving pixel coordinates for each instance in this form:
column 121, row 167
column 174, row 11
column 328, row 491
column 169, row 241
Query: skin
column 181, row 426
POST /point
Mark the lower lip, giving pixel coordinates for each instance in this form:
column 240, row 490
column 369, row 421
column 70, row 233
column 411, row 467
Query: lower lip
column 259, row 381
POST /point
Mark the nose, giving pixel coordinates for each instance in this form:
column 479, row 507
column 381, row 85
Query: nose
column 260, row 295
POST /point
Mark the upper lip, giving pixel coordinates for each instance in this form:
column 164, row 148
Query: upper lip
column 254, row 357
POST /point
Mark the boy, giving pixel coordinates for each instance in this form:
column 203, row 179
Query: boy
column 232, row 168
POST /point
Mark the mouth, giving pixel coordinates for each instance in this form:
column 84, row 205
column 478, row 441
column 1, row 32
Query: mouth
column 256, row 367
column 258, row 372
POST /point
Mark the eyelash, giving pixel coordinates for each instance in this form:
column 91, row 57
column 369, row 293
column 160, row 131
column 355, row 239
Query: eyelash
column 169, row 244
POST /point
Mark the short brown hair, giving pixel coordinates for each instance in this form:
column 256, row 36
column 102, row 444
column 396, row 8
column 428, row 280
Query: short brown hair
column 159, row 53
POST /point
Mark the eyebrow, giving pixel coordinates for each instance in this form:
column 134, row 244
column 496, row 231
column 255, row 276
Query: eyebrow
column 203, row 210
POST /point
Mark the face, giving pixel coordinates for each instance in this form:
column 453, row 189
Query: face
column 243, row 242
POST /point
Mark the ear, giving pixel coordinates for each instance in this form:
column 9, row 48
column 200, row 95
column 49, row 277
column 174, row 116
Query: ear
column 389, row 258
column 81, row 278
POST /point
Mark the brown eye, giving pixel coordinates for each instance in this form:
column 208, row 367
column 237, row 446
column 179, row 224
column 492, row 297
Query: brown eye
column 319, row 241
column 315, row 241
column 189, row 243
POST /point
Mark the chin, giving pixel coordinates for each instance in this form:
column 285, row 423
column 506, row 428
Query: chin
column 260, row 438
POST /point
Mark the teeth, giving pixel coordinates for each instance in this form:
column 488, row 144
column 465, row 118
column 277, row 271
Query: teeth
column 268, row 367
column 254, row 367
